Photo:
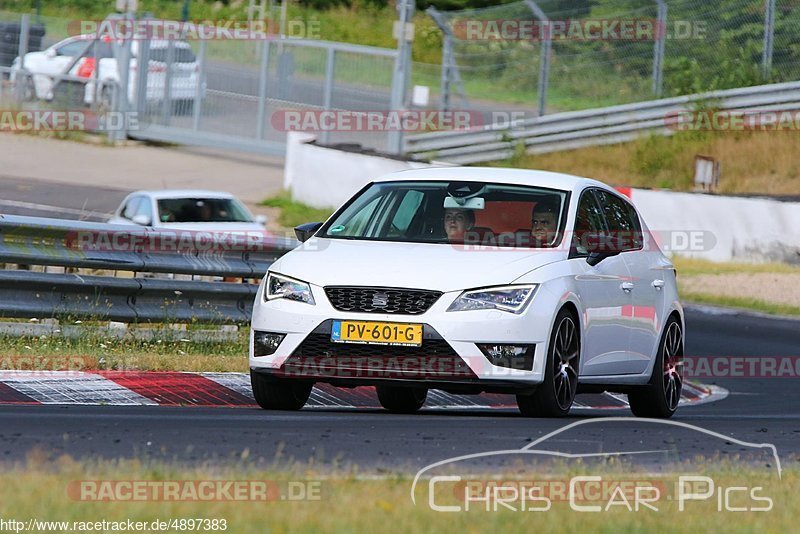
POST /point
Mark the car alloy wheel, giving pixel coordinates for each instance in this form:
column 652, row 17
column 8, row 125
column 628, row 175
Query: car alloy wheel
column 660, row 397
column 554, row 397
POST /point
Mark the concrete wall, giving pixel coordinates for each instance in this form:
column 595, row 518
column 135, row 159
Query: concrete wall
column 327, row 177
column 732, row 228
column 712, row 227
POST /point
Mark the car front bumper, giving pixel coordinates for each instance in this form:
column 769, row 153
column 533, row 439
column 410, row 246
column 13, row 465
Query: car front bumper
column 449, row 357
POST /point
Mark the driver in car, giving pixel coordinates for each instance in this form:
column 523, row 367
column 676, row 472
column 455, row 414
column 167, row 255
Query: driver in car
column 457, row 222
column 544, row 222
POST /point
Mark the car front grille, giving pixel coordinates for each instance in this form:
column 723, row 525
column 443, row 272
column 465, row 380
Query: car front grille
column 321, row 345
column 381, row 299
column 318, row 356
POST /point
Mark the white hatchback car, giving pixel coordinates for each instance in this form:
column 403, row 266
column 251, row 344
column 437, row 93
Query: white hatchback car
column 187, row 209
column 473, row 280
column 52, row 61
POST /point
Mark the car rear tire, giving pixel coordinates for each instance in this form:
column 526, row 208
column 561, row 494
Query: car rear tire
column 555, row 395
column 401, row 399
column 28, row 89
column 660, row 397
column 279, row 394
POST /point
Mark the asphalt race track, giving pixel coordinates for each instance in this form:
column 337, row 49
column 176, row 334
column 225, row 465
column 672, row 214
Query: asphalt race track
column 756, row 410
column 37, row 198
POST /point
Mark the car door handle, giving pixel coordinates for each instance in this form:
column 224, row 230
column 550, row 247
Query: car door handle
column 658, row 284
column 626, row 286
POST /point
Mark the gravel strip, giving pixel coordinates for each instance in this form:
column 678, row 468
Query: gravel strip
column 775, row 288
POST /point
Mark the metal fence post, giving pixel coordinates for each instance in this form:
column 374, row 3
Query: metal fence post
column 658, row 49
column 199, row 93
column 142, row 72
column 328, row 92
column 22, row 80
column 447, row 57
column 402, row 68
column 544, row 54
column 769, row 34
column 166, row 103
column 124, row 65
column 263, row 76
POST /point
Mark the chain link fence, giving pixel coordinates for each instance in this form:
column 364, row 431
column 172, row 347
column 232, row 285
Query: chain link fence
column 542, row 55
column 237, row 93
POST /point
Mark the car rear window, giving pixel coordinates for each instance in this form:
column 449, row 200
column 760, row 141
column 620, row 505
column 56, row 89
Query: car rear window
column 179, row 54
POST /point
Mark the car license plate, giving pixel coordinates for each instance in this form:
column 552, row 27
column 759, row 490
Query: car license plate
column 375, row 333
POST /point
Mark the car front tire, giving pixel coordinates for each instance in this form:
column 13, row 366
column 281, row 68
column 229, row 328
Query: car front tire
column 279, row 394
column 660, row 397
column 401, row 399
column 554, row 396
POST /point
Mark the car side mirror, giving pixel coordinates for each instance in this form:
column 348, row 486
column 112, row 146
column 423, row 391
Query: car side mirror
column 595, row 257
column 141, row 219
column 50, row 53
column 261, row 219
column 603, row 246
column 304, row 232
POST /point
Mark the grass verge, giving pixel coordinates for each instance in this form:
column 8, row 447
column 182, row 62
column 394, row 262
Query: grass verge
column 752, row 162
column 744, row 303
column 294, row 213
column 693, row 266
column 344, row 503
column 95, row 352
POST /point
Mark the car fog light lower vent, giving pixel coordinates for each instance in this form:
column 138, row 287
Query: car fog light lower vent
column 518, row 357
column 266, row 343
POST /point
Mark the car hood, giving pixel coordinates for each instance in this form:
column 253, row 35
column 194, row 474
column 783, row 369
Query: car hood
column 441, row 267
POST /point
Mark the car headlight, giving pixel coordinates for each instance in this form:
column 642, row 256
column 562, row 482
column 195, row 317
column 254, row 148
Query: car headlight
column 283, row 287
column 512, row 299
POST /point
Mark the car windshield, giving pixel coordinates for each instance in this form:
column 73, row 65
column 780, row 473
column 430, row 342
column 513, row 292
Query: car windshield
column 453, row 212
column 192, row 210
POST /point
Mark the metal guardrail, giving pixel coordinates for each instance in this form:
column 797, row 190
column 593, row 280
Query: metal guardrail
column 577, row 129
column 94, row 246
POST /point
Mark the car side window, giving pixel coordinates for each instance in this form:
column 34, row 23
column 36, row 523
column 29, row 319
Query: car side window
column 589, row 223
column 406, row 211
column 622, row 219
column 131, row 207
column 71, row 49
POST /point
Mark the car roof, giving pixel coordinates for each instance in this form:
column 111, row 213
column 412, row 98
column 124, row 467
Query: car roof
column 183, row 193
column 154, row 43
column 546, row 179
